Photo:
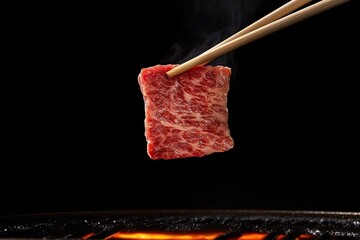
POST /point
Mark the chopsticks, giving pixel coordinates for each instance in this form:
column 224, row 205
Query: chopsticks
column 274, row 15
column 271, row 23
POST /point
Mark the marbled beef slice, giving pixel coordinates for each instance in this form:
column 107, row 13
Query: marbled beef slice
column 187, row 115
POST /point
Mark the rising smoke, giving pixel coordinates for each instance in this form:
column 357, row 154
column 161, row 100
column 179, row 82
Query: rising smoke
column 208, row 22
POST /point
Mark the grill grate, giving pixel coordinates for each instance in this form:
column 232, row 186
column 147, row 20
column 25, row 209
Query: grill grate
column 229, row 236
column 228, row 225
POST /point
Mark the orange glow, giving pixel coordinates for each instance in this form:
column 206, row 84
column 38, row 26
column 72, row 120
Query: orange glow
column 190, row 236
column 88, row 235
column 301, row 237
column 252, row 236
column 164, row 236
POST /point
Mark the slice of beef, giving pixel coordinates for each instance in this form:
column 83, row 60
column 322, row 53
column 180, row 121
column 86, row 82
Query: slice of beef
column 187, row 115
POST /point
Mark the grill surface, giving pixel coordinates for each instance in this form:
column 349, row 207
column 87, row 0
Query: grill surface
column 230, row 223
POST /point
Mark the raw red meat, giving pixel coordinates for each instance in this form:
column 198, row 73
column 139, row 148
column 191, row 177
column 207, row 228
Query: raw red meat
column 187, row 115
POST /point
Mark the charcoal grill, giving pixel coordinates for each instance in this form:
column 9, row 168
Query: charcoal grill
column 184, row 224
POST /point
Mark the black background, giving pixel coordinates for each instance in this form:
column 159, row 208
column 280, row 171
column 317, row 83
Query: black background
column 73, row 115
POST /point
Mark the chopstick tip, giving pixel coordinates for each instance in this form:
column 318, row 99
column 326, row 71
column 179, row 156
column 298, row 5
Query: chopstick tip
column 170, row 74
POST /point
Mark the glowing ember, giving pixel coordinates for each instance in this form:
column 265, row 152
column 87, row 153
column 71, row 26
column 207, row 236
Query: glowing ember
column 301, row 237
column 165, row 236
column 193, row 236
column 88, row 235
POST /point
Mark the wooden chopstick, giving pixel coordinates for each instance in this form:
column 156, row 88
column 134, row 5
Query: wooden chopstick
column 258, row 33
